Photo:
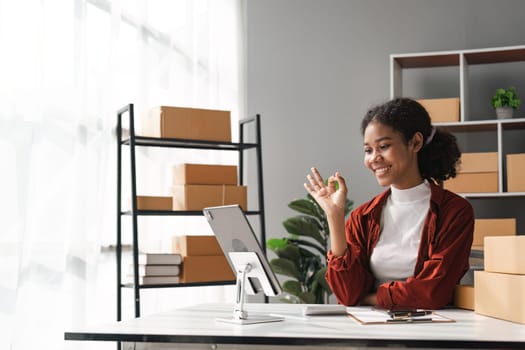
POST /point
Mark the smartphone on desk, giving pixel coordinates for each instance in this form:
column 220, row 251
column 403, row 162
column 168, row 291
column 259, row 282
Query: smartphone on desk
column 408, row 313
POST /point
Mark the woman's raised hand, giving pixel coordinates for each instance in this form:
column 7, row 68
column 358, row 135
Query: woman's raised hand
column 331, row 200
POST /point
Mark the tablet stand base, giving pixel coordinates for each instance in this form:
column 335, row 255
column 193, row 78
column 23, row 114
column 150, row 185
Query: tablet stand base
column 246, row 264
column 251, row 319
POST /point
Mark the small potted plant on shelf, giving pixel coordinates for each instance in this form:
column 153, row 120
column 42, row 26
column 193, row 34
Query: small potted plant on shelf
column 505, row 101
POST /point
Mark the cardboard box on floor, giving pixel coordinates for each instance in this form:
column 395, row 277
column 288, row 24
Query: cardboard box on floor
column 500, row 295
column 206, row 269
column 464, row 297
column 515, row 171
column 492, row 227
column 188, row 123
column 154, row 203
column 204, row 174
column 505, row 254
column 196, row 245
column 198, row 197
column 442, row 109
column 477, row 173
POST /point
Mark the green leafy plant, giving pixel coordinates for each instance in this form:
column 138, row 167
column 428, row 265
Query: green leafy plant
column 506, row 98
column 302, row 255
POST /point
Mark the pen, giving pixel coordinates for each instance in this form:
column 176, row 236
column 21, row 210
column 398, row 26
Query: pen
column 407, row 314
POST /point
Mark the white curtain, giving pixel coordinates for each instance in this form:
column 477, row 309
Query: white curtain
column 66, row 67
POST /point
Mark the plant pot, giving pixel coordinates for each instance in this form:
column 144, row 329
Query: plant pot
column 504, row 112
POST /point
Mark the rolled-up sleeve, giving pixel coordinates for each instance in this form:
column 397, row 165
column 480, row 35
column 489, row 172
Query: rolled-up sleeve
column 348, row 275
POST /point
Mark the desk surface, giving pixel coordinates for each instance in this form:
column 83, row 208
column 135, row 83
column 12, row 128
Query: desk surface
column 197, row 324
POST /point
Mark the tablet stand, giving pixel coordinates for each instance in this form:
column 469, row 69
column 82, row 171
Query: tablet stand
column 248, row 264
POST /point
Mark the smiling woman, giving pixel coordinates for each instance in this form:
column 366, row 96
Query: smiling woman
column 409, row 246
column 66, row 67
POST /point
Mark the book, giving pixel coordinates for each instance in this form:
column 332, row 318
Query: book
column 160, row 259
column 145, row 280
column 156, row 270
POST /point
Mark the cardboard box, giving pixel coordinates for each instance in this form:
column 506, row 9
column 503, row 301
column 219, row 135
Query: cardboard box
column 204, row 174
column 481, row 162
column 188, row 123
column 196, row 245
column 442, row 110
column 464, row 297
column 477, row 172
column 206, row 269
column 198, row 197
column 515, row 171
column 505, row 254
column 492, row 227
column 154, row 203
column 500, row 295
column 473, row 183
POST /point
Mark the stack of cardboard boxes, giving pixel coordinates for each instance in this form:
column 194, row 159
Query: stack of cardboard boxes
column 203, row 259
column 499, row 289
column 196, row 186
column 464, row 293
column 478, row 172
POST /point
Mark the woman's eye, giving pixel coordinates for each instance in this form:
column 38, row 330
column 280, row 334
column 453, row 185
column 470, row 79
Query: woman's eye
column 368, row 150
column 383, row 147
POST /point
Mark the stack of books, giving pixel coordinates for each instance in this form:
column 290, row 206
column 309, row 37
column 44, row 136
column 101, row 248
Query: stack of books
column 157, row 268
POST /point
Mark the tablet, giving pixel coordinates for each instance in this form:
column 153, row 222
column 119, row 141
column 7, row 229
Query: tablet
column 235, row 234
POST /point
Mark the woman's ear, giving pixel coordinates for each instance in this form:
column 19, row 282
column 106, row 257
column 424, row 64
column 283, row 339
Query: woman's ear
column 416, row 142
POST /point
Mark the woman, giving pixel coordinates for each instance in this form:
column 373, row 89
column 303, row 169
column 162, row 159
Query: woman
column 409, row 246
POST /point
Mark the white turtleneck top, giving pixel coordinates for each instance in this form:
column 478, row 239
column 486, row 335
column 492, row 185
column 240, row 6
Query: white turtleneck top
column 394, row 256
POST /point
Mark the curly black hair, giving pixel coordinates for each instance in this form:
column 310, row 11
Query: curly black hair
column 439, row 157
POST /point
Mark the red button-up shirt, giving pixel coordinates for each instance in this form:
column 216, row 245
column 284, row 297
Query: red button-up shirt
column 442, row 258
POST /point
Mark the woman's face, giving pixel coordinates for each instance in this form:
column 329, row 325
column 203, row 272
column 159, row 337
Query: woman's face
column 393, row 162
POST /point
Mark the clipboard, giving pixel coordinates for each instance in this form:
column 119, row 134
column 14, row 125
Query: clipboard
column 372, row 316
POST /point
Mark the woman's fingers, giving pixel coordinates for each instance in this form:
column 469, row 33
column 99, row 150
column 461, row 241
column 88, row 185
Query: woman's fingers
column 342, row 182
column 308, row 188
column 331, row 183
column 318, row 178
column 316, row 185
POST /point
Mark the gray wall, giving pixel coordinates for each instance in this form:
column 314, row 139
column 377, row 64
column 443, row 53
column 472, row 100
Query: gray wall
column 315, row 66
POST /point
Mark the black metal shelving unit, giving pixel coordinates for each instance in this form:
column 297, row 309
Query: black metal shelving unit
column 133, row 141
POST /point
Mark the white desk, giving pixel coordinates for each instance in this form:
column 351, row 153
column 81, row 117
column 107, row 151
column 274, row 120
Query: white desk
column 196, row 328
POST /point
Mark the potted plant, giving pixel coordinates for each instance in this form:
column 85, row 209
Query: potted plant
column 302, row 255
column 505, row 101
